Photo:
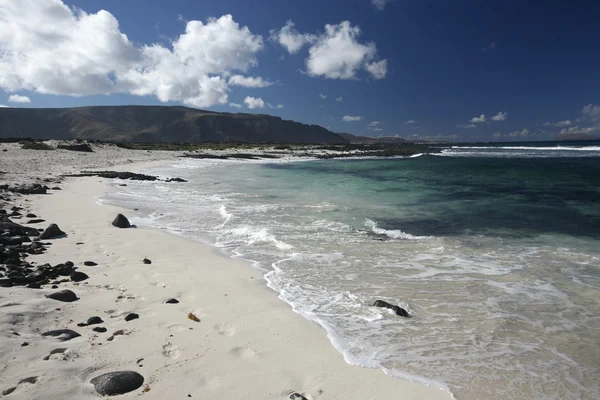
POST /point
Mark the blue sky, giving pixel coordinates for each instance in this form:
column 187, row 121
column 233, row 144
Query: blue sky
column 530, row 68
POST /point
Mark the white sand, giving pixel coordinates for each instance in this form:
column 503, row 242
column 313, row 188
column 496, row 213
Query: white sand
column 248, row 344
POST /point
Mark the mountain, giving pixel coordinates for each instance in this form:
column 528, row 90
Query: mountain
column 371, row 140
column 156, row 124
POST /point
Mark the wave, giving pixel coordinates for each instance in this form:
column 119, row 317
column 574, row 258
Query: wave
column 393, row 233
column 554, row 148
column 258, row 235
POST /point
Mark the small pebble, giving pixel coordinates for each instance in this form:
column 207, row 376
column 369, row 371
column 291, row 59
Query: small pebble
column 131, row 317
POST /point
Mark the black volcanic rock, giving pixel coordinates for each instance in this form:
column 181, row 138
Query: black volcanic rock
column 398, row 310
column 131, row 317
column 51, row 232
column 118, row 382
column 78, row 276
column 121, row 221
column 172, row 301
column 62, row 334
column 64, row 295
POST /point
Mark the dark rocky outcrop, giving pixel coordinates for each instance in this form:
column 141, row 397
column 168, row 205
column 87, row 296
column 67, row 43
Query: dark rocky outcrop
column 83, row 147
column 67, row 296
column 62, row 334
column 121, row 221
column 398, row 310
column 118, row 382
column 52, row 232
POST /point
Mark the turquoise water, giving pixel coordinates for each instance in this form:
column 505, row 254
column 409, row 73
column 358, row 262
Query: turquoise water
column 493, row 250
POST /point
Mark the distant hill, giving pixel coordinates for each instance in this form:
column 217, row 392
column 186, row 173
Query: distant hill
column 371, row 140
column 156, row 124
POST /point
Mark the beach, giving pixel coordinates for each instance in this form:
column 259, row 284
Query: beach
column 227, row 336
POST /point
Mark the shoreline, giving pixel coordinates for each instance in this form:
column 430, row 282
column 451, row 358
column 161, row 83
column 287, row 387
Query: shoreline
column 248, row 343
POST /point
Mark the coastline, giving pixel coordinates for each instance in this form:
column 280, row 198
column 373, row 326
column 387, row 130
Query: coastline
column 248, row 343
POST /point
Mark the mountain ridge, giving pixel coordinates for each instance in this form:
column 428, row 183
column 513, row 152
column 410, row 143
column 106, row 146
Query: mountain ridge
column 133, row 123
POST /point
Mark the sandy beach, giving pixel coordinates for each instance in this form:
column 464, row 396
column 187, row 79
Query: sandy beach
column 245, row 344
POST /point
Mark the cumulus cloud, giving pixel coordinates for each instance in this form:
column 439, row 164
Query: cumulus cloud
column 411, row 121
column 351, row 118
column 235, row 105
column 4, row 106
column 254, row 102
column 524, row 132
column 559, row 124
column 373, row 124
column 489, row 46
column 323, row 96
column 380, row 4
column 249, row 81
column 501, row 116
column 290, row 38
column 335, row 53
column 15, row 98
column 274, row 106
column 339, row 99
column 466, row 126
column 478, row 120
column 46, row 48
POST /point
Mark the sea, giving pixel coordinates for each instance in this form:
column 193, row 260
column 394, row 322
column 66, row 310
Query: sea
column 493, row 249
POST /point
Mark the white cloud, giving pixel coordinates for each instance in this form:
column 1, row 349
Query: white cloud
column 290, row 38
column 467, row 126
column 4, row 106
column 46, row 48
column 321, row 95
column 15, row 98
column 501, row 116
column 249, row 81
column 254, row 102
column 274, row 106
column 351, row 118
column 523, row 132
column 378, row 69
column 235, row 105
column 373, row 124
column 592, row 111
column 339, row 99
column 489, row 46
column 578, row 130
column 380, row 4
column 559, row 124
column 411, row 121
column 335, row 53
column 478, row 120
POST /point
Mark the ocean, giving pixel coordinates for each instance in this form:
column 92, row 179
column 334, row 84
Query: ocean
column 493, row 249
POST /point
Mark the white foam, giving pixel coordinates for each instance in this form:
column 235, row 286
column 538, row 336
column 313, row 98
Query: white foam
column 393, row 233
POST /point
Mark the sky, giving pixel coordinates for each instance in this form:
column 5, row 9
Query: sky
column 465, row 70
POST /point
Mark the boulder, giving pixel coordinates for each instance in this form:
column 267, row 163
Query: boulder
column 131, row 317
column 398, row 310
column 62, row 334
column 99, row 329
column 118, row 382
column 51, row 232
column 172, row 301
column 146, row 261
column 78, row 276
column 121, row 221
column 63, row 295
